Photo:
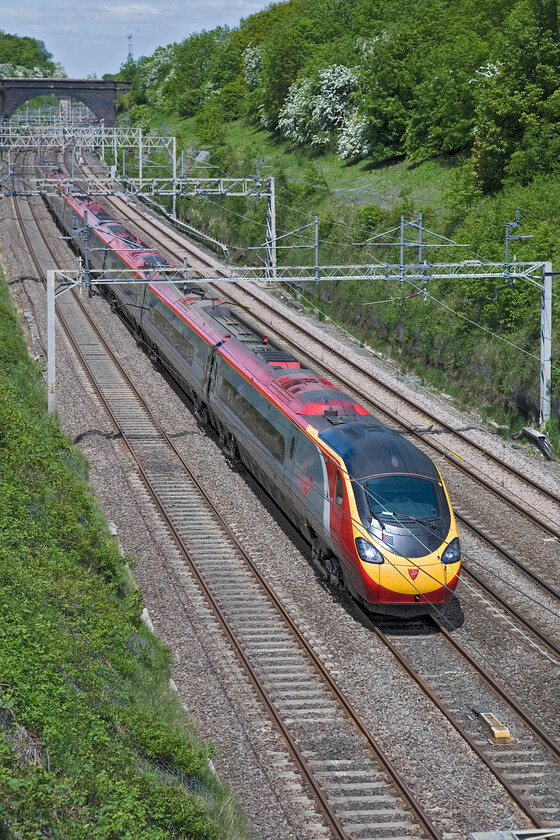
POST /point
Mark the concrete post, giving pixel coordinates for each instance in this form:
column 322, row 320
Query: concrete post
column 51, row 360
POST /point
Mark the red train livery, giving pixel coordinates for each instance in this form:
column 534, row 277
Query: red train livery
column 372, row 505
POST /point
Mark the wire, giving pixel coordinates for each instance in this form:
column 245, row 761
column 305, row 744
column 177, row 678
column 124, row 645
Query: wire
column 289, row 429
column 516, row 589
column 233, row 212
column 519, row 634
column 475, row 324
column 421, row 290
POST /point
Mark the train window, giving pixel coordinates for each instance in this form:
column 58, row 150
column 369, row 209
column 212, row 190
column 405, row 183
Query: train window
column 339, row 490
column 172, row 328
column 134, row 291
column 254, row 411
column 292, row 447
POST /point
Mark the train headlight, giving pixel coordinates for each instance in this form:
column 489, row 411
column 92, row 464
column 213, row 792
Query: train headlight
column 452, row 553
column 368, row 552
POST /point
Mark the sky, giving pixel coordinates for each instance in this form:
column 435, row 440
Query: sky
column 91, row 38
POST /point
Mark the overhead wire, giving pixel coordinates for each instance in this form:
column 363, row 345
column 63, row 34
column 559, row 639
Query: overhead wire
column 327, row 498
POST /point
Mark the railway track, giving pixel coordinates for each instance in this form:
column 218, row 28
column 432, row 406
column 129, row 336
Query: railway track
column 509, row 485
column 359, row 790
column 528, row 766
column 298, row 692
column 534, row 748
column 272, row 656
column 417, row 420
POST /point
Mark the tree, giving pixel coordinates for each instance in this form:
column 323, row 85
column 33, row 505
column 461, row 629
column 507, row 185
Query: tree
column 315, row 110
column 516, row 99
column 28, row 54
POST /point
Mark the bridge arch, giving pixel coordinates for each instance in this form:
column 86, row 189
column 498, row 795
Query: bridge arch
column 99, row 95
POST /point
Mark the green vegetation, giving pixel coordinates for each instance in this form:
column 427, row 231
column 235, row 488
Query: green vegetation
column 23, row 56
column 376, row 79
column 92, row 741
column 368, row 109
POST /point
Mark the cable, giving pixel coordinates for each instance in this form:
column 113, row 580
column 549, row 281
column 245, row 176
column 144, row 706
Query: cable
column 233, row 212
column 289, row 429
column 478, row 326
column 512, row 629
column 515, row 588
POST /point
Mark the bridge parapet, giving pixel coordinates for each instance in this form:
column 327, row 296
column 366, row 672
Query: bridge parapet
column 99, row 95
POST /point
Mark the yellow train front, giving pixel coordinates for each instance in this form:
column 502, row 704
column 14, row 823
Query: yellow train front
column 391, row 522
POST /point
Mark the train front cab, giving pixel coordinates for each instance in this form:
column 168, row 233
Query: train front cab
column 388, row 582
column 381, row 579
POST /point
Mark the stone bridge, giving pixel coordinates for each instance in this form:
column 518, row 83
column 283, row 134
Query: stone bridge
column 99, row 95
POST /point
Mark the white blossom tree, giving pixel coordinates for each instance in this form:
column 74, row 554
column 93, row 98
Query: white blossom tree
column 315, row 110
column 353, row 142
column 252, row 66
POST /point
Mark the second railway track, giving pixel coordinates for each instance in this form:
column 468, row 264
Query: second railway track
column 341, row 780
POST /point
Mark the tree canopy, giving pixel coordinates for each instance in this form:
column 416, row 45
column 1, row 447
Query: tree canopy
column 22, row 56
column 422, row 79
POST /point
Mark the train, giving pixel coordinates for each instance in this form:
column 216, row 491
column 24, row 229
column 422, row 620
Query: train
column 373, row 507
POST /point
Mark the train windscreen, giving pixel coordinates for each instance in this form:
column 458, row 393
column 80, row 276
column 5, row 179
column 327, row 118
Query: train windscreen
column 401, row 497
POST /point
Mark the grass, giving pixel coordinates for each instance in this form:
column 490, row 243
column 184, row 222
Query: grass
column 92, row 741
column 361, row 183
column 356, row 202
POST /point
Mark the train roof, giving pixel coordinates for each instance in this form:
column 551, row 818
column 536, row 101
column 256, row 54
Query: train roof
column 304, row 391
column 368, row 448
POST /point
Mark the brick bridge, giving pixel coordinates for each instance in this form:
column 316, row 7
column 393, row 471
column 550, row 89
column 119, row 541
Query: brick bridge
column 99, row 95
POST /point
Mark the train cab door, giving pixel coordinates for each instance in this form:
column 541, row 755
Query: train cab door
column 336, row 494
column 340, row 519
column 306, row 477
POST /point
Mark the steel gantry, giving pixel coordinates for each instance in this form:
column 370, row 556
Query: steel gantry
column 138, row 177
column 539, row 274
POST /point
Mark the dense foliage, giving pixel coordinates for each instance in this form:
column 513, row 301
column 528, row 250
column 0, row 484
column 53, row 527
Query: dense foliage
column 23, row 56
column 379, row 79
column 92, row 742
column 369, row 109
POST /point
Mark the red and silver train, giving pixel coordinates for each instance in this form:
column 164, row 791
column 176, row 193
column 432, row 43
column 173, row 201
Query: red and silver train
column 373, row 506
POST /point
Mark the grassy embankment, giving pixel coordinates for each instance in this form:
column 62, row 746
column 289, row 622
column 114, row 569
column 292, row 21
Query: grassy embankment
column 479, row 346
column 93, row 743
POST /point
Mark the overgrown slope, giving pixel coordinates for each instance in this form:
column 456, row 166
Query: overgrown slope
column 92, row 742
column 369, row 109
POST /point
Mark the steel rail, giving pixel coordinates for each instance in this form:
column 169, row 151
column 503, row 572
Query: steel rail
column 314, row 785
column 522, row 804
column 528, row 625
column 352, row 713
column 537, row 730
column 508, row 556
column 147, row 226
